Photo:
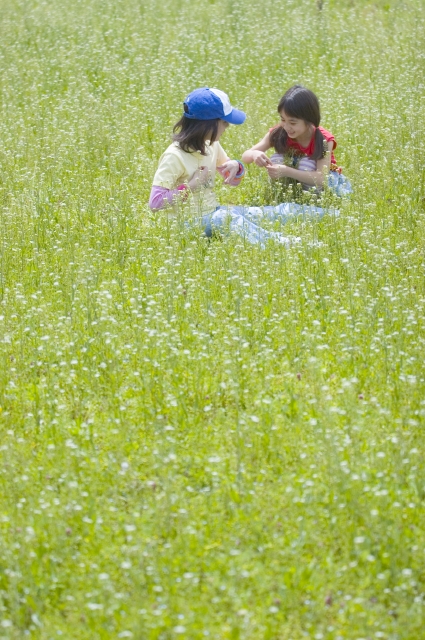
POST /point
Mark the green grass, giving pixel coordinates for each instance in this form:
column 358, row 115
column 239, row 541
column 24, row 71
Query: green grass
column 206, row 439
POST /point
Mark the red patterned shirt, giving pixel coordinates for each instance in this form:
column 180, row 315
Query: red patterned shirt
column 309, row 149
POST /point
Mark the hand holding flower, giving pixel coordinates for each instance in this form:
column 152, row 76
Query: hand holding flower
column 228, row 170
column 277, row 171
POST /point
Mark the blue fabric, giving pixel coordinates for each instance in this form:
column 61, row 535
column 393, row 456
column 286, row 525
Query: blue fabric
column 339, row 184
column 245, row 221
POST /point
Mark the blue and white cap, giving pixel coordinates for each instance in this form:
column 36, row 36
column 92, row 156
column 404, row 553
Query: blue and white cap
column 209, row 104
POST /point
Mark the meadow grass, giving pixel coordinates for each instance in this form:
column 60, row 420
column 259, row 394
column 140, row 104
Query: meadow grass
column 205, row 439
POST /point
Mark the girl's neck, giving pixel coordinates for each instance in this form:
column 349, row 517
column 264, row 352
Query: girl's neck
column 305, row 139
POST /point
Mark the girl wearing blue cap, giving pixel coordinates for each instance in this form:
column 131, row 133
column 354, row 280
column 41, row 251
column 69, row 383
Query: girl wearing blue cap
column 190, row 162
column 187, row 169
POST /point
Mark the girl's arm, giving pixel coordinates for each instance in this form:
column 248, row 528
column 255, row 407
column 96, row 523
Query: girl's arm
column 256, row 153
column 312, row 178
column 161, row 197
column 232, row 172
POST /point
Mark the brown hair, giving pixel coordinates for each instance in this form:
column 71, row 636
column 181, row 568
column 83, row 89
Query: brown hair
column 193, row 134
column 301, row 103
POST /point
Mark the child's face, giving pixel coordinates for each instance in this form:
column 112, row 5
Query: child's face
column 222, row 126
column 294, row 127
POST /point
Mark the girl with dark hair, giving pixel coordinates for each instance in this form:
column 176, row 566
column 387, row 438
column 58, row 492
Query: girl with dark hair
column 304, row 149
column 187, row 168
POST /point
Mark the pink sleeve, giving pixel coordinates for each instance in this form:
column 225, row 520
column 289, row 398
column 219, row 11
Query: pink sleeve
column 160, row 197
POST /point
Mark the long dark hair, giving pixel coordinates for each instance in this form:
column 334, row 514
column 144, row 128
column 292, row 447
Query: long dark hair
column 301, row 103
column 193, row 134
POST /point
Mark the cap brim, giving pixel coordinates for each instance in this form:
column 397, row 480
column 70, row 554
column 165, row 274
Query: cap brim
column 235, row 117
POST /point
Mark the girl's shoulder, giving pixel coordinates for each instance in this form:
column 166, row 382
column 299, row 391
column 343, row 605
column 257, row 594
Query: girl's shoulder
column 273, row 133
column 175, row 149
column 173, row 158
column 328, row 136
column 175, row 152
column 172, row 149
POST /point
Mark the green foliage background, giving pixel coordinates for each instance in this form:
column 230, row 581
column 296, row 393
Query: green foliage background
column 206, row 439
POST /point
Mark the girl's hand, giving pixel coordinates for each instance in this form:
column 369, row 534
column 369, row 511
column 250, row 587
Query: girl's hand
column 277, row 171
column 228, row 170
column 199, row 178
column 260, row 159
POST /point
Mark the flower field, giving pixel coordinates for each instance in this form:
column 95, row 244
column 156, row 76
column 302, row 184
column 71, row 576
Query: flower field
column 206, row 439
